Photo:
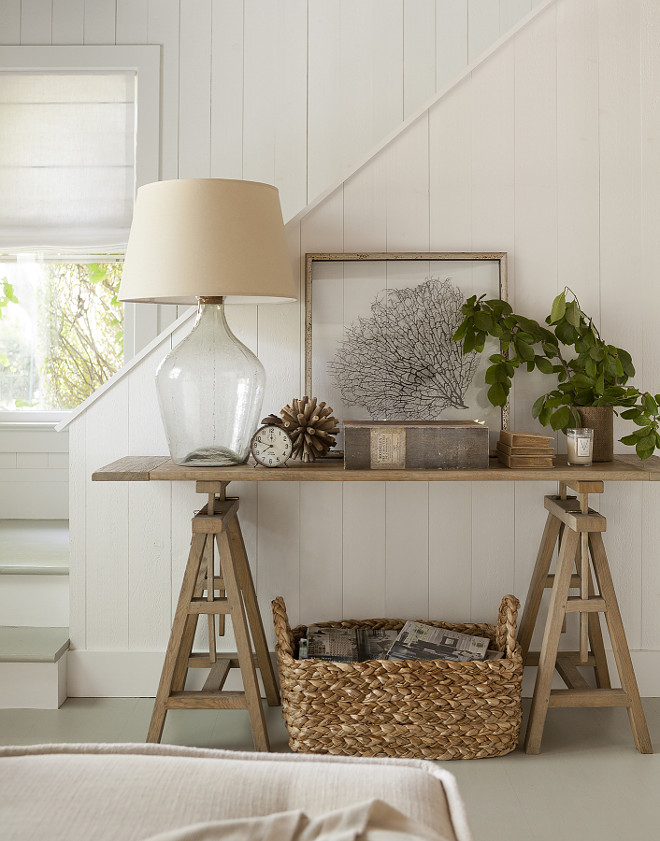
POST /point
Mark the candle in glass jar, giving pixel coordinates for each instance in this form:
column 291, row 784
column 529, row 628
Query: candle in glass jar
column 580, row 446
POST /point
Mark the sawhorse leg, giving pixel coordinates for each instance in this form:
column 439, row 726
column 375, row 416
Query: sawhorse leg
column 231, row 593
column 579, row 530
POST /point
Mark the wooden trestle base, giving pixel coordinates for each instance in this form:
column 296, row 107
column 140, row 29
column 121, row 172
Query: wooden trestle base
column 225, row 589
column 578, row 531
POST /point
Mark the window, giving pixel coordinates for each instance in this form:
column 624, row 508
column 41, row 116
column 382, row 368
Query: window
column 76, row 141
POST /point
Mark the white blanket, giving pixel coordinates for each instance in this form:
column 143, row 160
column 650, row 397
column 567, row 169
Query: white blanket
column 372, row 820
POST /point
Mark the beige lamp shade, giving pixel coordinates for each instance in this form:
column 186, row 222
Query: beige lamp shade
column 206, row 237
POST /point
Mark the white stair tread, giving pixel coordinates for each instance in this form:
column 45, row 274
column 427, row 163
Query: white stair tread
column 32, row 645
column 34, row 547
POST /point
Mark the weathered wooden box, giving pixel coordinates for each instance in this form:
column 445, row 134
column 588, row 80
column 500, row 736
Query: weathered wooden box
column 428, row 445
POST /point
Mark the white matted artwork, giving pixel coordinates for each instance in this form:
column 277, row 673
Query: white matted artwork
column 378, row 331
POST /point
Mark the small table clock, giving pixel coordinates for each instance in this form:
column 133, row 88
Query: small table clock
column 271, row 446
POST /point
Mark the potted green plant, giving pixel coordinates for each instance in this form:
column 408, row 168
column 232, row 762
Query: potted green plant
column 589, row 372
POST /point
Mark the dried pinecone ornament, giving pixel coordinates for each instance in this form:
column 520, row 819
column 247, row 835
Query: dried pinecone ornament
column 311, row 427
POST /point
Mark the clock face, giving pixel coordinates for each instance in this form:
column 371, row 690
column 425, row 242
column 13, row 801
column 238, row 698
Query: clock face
column 271, row 446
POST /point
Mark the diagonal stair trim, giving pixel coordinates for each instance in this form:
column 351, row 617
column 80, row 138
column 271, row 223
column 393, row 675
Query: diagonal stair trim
column 314, row 203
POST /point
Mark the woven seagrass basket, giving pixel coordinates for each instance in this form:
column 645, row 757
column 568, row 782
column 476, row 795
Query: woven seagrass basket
column 434, row 709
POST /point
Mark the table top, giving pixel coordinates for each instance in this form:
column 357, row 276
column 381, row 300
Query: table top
column 624, row 468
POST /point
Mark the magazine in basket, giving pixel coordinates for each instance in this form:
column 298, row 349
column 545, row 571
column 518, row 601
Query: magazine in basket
column 346, row 645
column 417, row 641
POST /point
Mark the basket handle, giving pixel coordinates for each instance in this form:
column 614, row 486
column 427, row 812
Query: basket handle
column 282, row 627
column 505, row 635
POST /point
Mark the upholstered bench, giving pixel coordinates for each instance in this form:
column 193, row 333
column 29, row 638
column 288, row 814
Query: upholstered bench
column 112, row 792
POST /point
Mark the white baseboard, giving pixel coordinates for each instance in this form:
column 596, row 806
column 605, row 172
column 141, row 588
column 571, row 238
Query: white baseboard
column 135, row 674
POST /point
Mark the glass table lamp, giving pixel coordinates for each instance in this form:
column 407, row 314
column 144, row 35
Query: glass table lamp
column 211, row 241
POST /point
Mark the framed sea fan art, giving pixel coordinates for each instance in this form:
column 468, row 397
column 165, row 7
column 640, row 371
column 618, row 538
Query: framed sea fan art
column 378, row 335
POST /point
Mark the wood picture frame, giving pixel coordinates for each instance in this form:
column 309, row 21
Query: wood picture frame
column 343, row 289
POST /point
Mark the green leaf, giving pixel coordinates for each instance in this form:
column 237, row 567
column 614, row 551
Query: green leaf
column 630, row 440
column 566, row 333
column 538, row 406
column 544, row 416
column 558, row 308
column 646, row 447
column 469, row 341
column 491, row 375
column 525, row 351
column 561, row 418
column 573, row 314
column 483, row 321
column 544, row 365
column 650, row 405
column 462, row 329
column 626, row 361
column 497, row 394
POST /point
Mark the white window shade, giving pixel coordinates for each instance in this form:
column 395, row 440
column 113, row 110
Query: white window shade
column 67, row 160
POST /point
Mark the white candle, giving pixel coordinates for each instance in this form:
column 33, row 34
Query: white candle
column 579, row 443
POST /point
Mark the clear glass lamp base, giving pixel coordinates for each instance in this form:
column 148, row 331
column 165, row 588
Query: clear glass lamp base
column 210, row 389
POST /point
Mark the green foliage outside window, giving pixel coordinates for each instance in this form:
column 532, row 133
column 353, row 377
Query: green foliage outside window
column 56, row 352
column 83, row 324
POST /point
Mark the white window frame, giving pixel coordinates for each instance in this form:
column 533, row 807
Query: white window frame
column 145, row 61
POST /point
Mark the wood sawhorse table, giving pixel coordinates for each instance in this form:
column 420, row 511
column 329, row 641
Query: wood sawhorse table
column 216, row 587
column 578, row 531
column 570, row 521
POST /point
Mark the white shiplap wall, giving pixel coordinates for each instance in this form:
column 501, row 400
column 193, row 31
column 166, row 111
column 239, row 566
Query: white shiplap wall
column 549, row 150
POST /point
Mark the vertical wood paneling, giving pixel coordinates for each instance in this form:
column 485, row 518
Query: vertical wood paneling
column 419, row 53
column 483, row 26
column 107, row 523
column 450, row 133
column 36, row 22
column 364, row 550
column 620, row 178
column 10, row 22
column 195, row 89
column 650, row 260
column 365, row 208
column 535, row 255
column 278, row 549
column 99, row 22
column 149, row 565
column 78, row 482
column 227, row 89
column 407, row 178
column 451, row 40
column 321, row 525
column 146, row 434
column 68, row 19
column 355, row 80
column 274, row 103
column 650, row 615
column 577, row 153
column 450, row 551
column 132, row 21
column 511, row 11
column 493, row 547
column 163, row 16
column 407, row 549
column 493, row 158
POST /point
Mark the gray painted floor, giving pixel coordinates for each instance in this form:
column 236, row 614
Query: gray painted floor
column 589, row 782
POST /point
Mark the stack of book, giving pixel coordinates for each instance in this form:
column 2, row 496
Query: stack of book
column 524, row 449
